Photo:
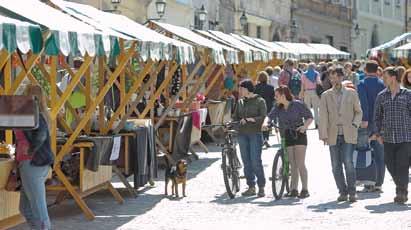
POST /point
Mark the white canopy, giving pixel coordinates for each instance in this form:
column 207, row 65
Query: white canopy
column 250, row 53
column 248, row 40
column 402, row 51
column 390, row 44
column 326, row 51
column 188, row 35
column 153, row 45
column 61, row 25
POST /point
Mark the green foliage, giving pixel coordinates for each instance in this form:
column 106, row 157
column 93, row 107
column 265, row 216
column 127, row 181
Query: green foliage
column 44, row 84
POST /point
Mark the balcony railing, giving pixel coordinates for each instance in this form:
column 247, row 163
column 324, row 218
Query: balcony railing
column 326, row 9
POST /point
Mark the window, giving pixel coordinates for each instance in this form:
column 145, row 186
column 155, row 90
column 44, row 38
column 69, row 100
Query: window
column 387, row 2
column 398, row 3
column 330, row 39
column 258, row 31
column 344, row 48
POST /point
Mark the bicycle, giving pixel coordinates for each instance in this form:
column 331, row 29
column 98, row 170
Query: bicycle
column 231, row 165
column 280, row 173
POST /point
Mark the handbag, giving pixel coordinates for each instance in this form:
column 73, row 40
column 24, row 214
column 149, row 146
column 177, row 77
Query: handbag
column 319, row 90
column 13, row 181
column 19, row 112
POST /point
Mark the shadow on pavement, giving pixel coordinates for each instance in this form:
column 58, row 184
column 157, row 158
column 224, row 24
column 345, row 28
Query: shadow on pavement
column 225, row 200
column 109, row 214
column 367, row 195
column 332, row 205
column 388, row 207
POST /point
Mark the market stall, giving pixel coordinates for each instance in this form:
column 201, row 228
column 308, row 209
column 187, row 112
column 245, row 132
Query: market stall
column 105, row 56
column 27, row 39
column 201, row 77
column 392, row 52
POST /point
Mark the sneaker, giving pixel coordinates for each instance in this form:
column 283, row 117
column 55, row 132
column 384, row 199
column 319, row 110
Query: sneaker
column 292, row 194
column 378, row 189
column 261, row 192
column 352, row 198
column 304, row 194
column 342, row 198
column 249, row 192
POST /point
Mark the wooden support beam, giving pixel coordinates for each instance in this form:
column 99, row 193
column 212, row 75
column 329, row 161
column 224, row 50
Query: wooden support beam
column 53, row 105
column 137, row 100
column 134, row 88
column 4, row 57
column 101, row 72
column 7, row 87
column 160, row 89
column 25, row 66
column 212, row 83
column 99, row 98
column 84, row 70
column 89, row 94
column 179, row 93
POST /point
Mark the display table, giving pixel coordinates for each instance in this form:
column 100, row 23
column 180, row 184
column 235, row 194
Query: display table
column 90, row 181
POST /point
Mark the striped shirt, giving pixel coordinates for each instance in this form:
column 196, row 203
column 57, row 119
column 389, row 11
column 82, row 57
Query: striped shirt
column 392, row 116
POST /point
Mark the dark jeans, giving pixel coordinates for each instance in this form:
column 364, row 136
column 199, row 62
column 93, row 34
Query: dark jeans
column 266, row 135
column 251, row 148
column 378, row 156
column 397, row 161
column 342, row 154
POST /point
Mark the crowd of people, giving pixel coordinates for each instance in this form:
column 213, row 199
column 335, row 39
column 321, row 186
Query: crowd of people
column 358, row 108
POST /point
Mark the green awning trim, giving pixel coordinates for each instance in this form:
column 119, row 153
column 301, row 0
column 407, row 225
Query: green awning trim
column 36, row 39
column 115, row 47
column 52, row 44
column 9, row 37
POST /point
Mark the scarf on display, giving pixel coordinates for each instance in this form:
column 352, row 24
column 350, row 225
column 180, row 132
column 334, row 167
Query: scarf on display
column 311, row 74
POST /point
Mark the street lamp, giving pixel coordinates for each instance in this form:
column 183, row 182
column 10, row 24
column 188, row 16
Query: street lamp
column 202, row 15
column 161, row 7
column 293, row 30
column 243, row 19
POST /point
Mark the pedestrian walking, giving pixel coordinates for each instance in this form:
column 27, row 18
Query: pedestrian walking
column 406, row 79
column 273, row 75
column 251, row 112
column 350, row 75
column 294, row 118
column 291, row 78
column 310, row 81
column 266, row 91
column 340, row 117
column 34, row 158
column 368, row 89
column 392, row 119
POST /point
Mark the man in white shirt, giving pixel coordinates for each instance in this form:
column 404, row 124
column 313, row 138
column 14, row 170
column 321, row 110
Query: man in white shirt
column 273, row 74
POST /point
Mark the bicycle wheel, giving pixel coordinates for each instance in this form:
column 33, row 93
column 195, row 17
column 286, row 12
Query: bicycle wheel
column 278, row 183
column 230, row 174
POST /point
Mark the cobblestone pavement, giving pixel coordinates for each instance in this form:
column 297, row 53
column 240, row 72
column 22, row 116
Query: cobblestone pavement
column 208, row 207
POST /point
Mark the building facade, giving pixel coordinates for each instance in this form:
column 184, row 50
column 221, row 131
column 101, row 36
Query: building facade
column 266, row 19
column 376, row 22
column 323, row 21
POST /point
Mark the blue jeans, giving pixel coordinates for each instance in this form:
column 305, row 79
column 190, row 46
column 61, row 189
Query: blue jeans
column 378, row 156
column 342, row 154
column 33, row 205
column 251, row 148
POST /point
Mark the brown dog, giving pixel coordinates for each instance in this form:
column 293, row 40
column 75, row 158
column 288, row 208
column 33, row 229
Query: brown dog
column 178, row 175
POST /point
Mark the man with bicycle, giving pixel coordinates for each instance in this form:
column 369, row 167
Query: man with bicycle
column 340, row 118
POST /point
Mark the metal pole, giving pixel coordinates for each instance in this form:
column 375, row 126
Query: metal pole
column 406, row 17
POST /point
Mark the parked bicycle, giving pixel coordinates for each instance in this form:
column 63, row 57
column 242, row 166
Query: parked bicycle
column 230, row 165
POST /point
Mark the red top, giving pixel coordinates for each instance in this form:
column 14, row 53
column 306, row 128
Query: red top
column 22, row 147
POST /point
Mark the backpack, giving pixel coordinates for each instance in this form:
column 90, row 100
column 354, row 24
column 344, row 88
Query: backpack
column 294, row 84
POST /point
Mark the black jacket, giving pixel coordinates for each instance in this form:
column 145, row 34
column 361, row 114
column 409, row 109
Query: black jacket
column 40, row 146
column 266, row 91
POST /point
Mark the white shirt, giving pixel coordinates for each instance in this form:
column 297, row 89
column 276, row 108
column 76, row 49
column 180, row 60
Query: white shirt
column 273, row 80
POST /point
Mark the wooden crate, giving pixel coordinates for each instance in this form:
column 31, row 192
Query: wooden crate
column 9, row 209
column 6, row 165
